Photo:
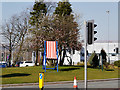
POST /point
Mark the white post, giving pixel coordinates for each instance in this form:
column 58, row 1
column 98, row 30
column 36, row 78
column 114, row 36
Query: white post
column 85, row 62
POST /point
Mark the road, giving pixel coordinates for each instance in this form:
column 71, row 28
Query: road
column 69, row 84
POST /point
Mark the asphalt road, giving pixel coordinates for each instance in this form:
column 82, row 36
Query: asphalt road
column 55, row 85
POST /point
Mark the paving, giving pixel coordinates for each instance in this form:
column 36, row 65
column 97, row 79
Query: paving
column 112, row 83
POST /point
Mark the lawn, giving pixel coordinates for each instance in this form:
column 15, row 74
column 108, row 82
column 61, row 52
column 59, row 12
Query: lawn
column 66, row 73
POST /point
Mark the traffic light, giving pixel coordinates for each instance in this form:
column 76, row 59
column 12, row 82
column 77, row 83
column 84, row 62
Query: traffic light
column 117, row 50
column 90, row 32
column 95, row 25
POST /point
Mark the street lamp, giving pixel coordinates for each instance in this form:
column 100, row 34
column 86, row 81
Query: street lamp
column 108, row 34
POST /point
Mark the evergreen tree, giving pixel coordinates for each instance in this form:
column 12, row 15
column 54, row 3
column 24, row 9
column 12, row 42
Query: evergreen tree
column 103, row 53
column 39, row 11
column 64, row 8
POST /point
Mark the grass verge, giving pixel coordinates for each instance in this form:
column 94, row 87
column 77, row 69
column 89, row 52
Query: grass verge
column 66, row 73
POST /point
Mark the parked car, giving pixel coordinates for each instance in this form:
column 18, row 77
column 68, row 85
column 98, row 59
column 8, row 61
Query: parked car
column 3, row 65
column 27, row 63
column 18, row 64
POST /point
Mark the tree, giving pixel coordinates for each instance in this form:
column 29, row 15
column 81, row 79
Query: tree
column 95, row 61
column 14, row 32
column 39, row 24
column 63, row 9
column 66, row 29
column 24, row 29
column 39, row 10
column 103, row 53
column 55, row 27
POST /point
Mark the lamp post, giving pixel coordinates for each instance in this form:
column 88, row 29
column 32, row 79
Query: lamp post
column 108, row 34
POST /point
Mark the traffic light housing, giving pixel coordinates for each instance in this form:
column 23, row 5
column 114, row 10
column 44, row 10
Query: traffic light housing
column 117, row 50
column 90, row 32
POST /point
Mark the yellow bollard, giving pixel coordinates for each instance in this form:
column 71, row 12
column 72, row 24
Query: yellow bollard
column 41, row 80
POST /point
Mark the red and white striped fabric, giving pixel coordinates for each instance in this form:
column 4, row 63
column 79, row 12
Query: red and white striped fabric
column 51, row 50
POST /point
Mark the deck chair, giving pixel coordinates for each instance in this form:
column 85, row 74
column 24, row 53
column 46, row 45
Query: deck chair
column 50, row 53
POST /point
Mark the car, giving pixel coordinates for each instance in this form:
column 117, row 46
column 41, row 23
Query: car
column 3, row 65
column 27, row 63
column 18, row 64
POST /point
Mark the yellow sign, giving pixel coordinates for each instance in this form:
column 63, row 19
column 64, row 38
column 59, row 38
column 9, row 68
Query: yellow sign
column 41, row 80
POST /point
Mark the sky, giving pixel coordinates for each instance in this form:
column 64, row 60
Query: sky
column 87, row 10
column 97, row 12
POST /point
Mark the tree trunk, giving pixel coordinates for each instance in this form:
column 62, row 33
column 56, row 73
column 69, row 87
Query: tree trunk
column 10, row 51
column 21, row 45
column 64, row 54
column 60, row 54
column 18, row 54
column 60, row 57
column 36, row 58
column 9, row 60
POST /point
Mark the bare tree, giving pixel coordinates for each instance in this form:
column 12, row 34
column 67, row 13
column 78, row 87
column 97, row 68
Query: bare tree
column 14, row 32
column 66, row 32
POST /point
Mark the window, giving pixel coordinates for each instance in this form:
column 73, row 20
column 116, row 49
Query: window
column 113, row 54
column 28, row 62
column 21, row 62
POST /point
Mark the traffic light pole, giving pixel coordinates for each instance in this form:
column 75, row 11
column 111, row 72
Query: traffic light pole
column 88, row 40
column 85, row 62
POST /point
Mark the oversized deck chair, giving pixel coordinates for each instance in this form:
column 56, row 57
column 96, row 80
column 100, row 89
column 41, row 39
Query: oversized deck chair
column 50, row 53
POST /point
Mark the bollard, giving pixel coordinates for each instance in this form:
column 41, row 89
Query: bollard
column 41, row 80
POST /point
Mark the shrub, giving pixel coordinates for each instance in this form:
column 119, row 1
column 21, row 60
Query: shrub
column 78, row 63
column 94, row 62
column 109, row 67
column 117, row 63
column 91, row 58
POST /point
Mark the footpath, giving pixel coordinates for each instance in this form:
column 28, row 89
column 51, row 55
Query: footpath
column 59, row 82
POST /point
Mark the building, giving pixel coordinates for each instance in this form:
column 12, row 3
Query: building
column 111, row 48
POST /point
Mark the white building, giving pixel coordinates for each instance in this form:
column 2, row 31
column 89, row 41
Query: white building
column 109, row 48
column 97, row 47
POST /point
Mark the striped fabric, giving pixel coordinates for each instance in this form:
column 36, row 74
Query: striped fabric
column 51, row 50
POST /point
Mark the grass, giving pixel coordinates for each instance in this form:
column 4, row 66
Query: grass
column 66, row 73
